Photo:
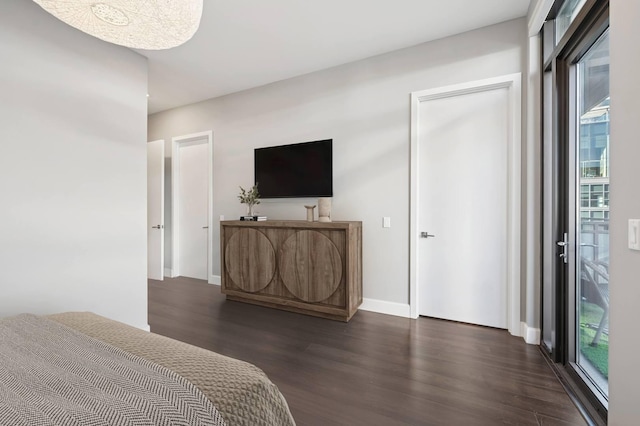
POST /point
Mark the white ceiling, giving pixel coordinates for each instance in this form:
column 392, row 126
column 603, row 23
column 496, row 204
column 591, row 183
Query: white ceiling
column 248, row 43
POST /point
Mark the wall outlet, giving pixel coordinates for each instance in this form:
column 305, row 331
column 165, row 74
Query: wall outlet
column 386, row 222
column 221, row 217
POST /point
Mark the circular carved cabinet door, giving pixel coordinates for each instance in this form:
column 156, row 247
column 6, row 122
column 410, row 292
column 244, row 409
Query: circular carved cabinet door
column 310, row 266
column 250, row 260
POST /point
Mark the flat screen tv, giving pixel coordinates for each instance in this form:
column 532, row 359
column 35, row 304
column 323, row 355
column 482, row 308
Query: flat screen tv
column 297, row 170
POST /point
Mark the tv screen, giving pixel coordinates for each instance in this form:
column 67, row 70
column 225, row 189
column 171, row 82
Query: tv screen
column 297, row 170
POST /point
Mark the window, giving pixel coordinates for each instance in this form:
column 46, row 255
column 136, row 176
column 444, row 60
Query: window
column 567, row 15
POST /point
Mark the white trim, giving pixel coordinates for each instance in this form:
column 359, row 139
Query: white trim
column 215, row 280
column 384, row 307
column 538, row 16
column 145, row 327
column 532, row 184
column 529, row 334
column 512, row 82
column 175, row 195
column 168, row 272
column 210, row 224
column 161, row 143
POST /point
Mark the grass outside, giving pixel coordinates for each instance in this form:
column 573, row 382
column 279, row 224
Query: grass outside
column 590, row 315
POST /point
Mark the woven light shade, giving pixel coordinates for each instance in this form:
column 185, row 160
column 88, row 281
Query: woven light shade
column 140, row 24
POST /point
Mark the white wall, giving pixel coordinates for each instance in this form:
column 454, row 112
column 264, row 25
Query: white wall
column 364, row 107
column 624, row 368
column 72, row 170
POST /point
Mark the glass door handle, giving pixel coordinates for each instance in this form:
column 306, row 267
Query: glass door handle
column 565, row 245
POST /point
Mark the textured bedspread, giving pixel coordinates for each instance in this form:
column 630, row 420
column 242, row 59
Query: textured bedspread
column 53, row 375
column 242, row 393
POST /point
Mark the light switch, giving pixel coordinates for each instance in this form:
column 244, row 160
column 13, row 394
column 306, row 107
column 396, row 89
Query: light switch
column 386, row 222
column 221, row 217
column 634, row 234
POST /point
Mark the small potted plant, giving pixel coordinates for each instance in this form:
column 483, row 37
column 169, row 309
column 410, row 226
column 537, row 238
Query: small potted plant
column 249, row 197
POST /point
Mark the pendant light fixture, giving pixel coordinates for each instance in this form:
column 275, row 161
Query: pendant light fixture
column 139, row 24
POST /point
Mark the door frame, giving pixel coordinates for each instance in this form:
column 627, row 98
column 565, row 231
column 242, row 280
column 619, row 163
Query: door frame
column 176, row 143
column 512, row 82
column 160, row 142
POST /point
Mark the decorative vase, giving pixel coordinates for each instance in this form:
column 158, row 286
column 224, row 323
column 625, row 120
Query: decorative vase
column 310, row 213
column 250, row 209
column 324, row 209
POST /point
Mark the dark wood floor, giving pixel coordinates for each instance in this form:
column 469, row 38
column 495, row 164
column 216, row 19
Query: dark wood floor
column 375, row 370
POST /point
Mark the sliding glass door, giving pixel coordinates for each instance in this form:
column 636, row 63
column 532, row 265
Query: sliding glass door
column 576, row 170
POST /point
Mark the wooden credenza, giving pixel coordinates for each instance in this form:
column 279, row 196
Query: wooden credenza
column 307, row 267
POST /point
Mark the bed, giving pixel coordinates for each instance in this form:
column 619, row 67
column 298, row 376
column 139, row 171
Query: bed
column 241, row 392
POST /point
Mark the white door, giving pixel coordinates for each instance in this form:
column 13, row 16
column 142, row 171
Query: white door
column 193, row 200
column 155, row 210
column 462, row 193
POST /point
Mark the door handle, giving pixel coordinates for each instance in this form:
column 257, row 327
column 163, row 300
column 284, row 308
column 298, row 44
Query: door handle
column 565, row 248
column 205, row 227
column 426, row 235
column 158, row 227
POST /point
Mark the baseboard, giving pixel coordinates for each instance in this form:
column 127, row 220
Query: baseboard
column 168, row 272
column 215, row 280
column 529, row 334
column 384, row 307
column 145, row 327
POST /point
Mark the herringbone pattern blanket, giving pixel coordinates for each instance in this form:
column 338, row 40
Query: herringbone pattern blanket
column 240, row 391
column 51, row 374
